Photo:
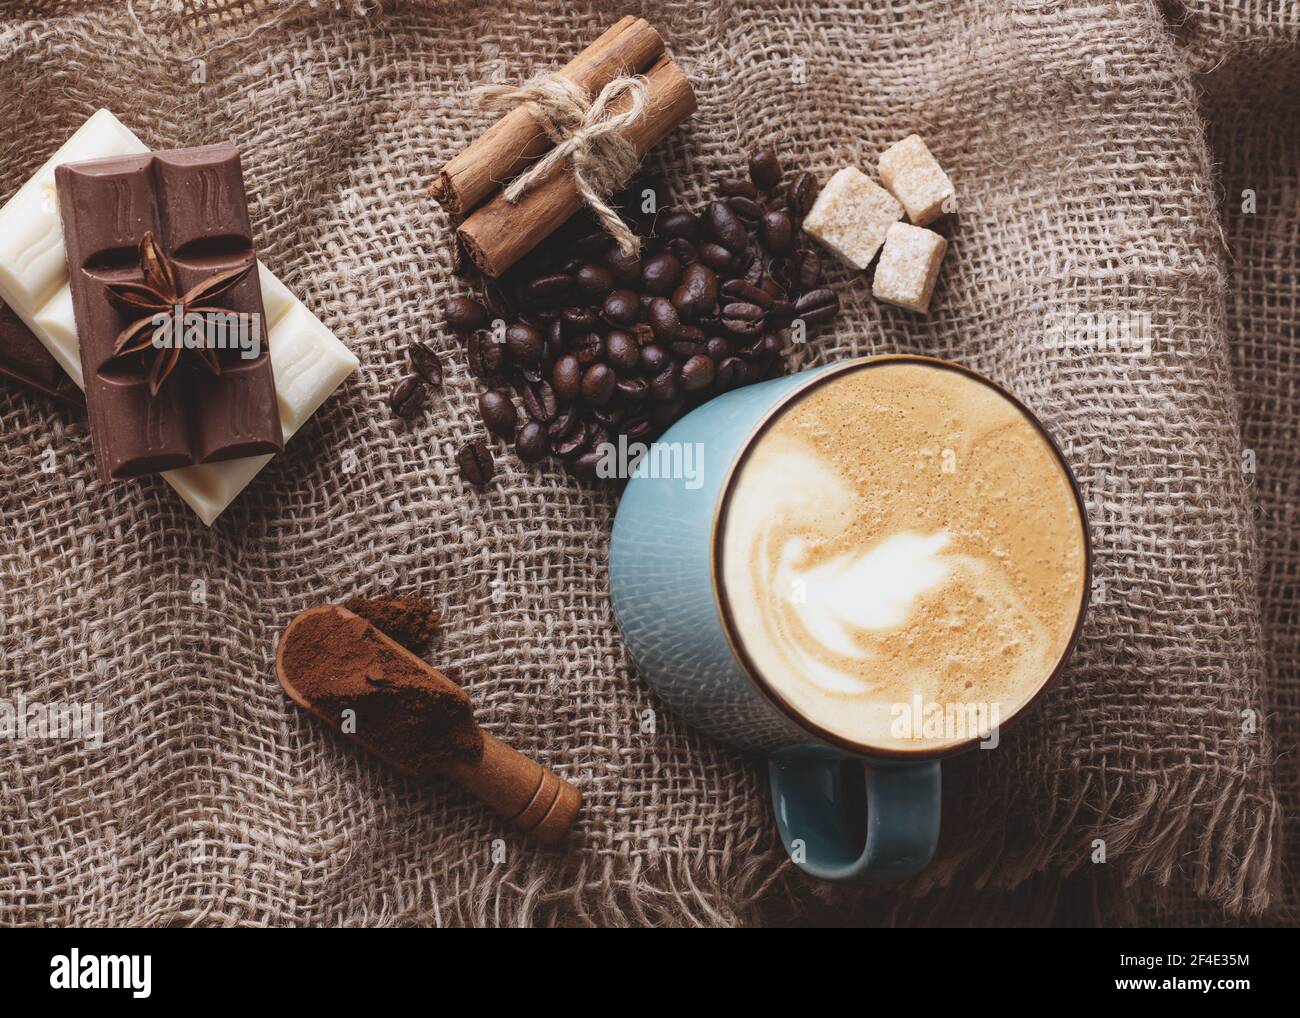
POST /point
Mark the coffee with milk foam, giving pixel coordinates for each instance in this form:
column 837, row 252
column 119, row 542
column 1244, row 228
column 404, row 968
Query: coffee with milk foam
column 902, row 553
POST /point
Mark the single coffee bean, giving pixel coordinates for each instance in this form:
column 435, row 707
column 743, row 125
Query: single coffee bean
column 717, row 348
column 781, row 313
column 663, row 319
column 565, row 421
column 498, row 301
column 485, row 355
column 730, row 187
column 626, row 268
column 686, row 309
column 654, row 358
column 752, row 271
column 697, row 373
column 688, row 341
column 539, row 401
column 634, row 390
column 697, row 293
column 585, row 466
column 577, row 321
column 777, row 232
column 744, row 290
column 566, row 378
column 715, row 256
column 465, row 314
column 685, row 349
column 621, row 351
column 598, row 383
column 425, row 363
column 679, row 223
column 801, row 193
column 532, row 443
column 765, row 169
column 498, row 413
column 725, row 227
column 683, row 250
column 730, row 371
column 817, row 306
column 595, row 281
column 588, row 349
column 637, row 428
column 598, row 434
column 571, row 442
column 659, row 274
column 547, row 291
column 476, row 463
column 663, row 414
column 664, row 386
column 807, row 271
column 742, row 318
column 407, row 396
column 524, row 343
column 749, row 211
column 622, row 307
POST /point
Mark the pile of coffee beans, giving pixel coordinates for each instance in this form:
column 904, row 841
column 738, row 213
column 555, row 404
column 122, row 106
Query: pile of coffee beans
column 593, row 343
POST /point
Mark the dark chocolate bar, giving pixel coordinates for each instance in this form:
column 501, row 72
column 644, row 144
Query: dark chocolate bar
column 166, row 230
column 24, row 360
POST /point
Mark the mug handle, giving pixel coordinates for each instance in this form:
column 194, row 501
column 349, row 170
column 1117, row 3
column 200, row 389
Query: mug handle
column 900, row 810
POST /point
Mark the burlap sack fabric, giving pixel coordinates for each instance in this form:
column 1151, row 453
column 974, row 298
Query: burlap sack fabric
column 1087, row 188
column 1248, row 67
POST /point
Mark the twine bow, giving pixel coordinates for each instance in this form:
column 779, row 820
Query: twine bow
column 585, row 133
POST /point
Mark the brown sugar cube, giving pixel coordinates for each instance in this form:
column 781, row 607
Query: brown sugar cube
column 915, row 178
column 851, row 216
column 908, row 267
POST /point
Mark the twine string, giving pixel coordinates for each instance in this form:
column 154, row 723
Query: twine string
column 585, row 133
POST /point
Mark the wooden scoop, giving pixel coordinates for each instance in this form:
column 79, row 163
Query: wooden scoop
column 537, row 801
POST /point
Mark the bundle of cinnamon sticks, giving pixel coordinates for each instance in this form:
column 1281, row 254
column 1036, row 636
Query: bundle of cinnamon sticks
column 497, row 232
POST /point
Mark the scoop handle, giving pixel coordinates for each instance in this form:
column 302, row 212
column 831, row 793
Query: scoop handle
column 536, row 800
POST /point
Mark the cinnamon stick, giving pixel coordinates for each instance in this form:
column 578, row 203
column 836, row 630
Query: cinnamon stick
column 514, row 141
column 500, row 233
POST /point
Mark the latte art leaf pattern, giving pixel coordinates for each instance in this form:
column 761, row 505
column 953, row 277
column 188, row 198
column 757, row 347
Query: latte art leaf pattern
column 930, row 548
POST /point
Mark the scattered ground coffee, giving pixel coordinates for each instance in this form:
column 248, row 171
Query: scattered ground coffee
column 410, row 620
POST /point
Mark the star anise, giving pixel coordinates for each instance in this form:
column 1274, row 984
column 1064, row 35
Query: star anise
column 160, row 294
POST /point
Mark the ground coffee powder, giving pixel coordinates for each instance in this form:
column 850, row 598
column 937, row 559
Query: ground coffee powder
column 409, row 620
column 402, row 709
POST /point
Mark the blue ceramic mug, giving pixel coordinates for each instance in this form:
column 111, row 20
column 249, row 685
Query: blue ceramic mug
column 845, row 811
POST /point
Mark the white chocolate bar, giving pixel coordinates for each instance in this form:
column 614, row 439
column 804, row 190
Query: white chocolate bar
column 851, row 215
column 908, row 267
column 307, row 360
column 915, row 178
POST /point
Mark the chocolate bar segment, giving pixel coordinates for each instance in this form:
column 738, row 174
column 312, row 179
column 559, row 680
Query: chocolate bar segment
column 24, row 360
column 192, row 203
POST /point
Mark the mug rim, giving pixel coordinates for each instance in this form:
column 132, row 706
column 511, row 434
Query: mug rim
column 767, row 690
